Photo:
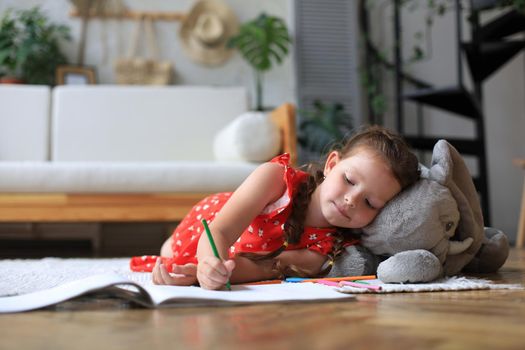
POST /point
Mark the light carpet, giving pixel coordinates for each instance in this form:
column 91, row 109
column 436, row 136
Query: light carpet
column 25, row 276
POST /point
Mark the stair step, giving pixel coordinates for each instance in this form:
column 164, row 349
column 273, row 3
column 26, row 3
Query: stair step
column 490, row 56
column 464, row 146
column 455, row 99
column 484, row 4
column 511, row 22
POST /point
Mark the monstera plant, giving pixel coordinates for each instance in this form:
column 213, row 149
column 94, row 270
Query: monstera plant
column 262, row 42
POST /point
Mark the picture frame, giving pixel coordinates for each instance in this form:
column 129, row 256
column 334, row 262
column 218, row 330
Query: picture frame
column 75, row 75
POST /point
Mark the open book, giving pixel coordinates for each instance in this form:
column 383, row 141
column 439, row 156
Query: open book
column 159, row 296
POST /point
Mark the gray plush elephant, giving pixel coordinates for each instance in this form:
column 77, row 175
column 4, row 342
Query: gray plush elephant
column 432, row 229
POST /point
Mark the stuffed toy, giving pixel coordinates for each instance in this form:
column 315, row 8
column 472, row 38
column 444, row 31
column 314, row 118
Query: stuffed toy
column 430, row 230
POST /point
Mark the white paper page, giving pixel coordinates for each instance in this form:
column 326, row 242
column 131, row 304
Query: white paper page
column 174, row 294
column 246, row 293
column 60, row 293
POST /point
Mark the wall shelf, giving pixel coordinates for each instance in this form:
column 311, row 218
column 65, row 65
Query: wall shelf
column 134, row 15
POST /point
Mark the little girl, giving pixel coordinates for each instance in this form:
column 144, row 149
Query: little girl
column 282, row 221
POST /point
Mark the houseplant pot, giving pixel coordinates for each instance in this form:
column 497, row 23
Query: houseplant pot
column 11, row 80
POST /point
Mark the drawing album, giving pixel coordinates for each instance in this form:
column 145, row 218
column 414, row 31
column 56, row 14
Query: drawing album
column 153, row 296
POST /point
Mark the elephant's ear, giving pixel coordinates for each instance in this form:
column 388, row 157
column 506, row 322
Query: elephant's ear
column 420, row 217
column 449, row 169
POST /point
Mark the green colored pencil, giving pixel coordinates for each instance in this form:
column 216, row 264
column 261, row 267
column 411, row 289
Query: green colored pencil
column 214, row 247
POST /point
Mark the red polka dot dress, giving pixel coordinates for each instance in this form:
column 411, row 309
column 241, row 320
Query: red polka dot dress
column 265, row 234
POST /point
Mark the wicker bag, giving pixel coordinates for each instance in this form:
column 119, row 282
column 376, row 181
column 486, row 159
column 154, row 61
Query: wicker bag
column 136, row 70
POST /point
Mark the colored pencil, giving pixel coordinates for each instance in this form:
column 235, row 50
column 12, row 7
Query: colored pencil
column 338, row 279
column 361, row 282
column 359, row 285
column 214, row 247
column 328, row 283
column 263, row 282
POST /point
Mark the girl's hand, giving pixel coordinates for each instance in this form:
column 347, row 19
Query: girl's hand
column 183, row 275
column 213, row 273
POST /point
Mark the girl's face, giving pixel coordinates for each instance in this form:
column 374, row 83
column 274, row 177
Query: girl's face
column 355, row 188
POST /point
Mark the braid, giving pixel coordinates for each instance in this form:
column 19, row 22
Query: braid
column 294, row 225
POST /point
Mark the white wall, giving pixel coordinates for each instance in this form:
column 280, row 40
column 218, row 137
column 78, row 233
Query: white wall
column 503, row 107
column 109, row 39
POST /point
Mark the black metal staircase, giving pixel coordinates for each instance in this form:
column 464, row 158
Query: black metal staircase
column 454, row 99
column 489, row 49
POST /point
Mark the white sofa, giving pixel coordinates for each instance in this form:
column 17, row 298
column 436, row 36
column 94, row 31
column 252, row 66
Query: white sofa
column 24, row 123
column 117, row 153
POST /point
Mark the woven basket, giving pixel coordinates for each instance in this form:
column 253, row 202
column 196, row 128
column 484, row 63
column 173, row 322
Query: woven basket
column 135, row 70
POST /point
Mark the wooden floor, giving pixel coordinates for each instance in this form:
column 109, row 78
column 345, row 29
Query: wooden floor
column 493, row 319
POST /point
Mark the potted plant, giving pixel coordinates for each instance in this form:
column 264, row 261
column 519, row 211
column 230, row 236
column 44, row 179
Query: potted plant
column 262, row 42
column 321, row 128
column 30, row 47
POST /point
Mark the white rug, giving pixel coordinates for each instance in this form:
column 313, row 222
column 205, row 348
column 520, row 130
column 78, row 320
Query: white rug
column 25, row 276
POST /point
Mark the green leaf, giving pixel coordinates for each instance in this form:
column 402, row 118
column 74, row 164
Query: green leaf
column 323, row 126
column 263, row 42
column 30, row 45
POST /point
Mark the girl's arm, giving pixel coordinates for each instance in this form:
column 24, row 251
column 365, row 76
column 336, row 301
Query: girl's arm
column 246, row 270
column 264, row 186
column 308, row 261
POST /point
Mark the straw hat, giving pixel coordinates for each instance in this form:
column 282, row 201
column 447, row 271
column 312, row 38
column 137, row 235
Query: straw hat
column 205, row 31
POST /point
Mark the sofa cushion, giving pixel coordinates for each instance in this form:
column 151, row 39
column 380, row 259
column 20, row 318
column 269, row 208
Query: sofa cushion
column 24, row 122
column 122, row 177
column 250, row 137
column 140, row 123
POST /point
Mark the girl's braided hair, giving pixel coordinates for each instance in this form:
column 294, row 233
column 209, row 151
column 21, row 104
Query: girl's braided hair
column 387, row 144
